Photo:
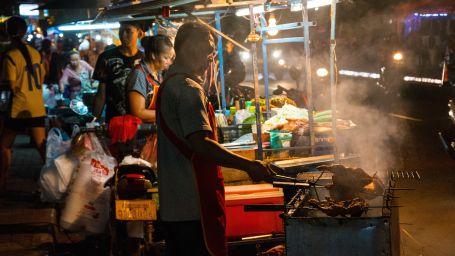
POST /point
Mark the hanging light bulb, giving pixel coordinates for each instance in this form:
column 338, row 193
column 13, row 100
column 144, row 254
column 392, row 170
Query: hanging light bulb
column 272, row 23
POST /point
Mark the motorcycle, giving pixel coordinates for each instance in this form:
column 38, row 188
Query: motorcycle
column 447, row 136
column 134, row 202
column 134, row 195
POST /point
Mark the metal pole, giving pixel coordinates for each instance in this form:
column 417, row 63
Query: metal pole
column 333, row 88
column 309, row 86
column 256, row 85
column 221, row 65
column 265, row 71
column 219, row 33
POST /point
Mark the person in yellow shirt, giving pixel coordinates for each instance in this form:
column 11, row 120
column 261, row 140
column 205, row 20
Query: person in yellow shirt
column 23, row 74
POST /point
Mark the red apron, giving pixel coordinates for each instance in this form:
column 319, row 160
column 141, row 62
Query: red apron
column 149, row 150
column 209, row 181
column 155, row 87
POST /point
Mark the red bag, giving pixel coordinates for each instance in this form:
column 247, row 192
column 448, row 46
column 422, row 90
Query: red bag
column 149, row 150
column 123, row 128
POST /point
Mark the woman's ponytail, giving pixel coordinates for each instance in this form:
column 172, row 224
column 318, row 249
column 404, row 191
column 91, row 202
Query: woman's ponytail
column 16, row 28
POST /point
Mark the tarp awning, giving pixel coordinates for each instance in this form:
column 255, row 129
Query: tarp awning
column 142, row 7
column 69, row 4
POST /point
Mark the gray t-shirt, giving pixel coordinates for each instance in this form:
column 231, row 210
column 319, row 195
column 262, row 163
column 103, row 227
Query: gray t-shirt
column 184, row 108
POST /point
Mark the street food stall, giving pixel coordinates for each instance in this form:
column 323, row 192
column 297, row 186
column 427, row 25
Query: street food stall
column 322, row 204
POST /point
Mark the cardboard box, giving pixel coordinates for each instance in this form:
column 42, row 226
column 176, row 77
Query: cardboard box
column 243, row 224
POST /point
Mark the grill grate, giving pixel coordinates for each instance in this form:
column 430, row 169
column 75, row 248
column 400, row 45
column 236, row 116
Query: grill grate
column 413, row 175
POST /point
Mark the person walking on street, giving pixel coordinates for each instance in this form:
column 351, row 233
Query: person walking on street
column 189, row 176
column 23, row 73
column 112, row 69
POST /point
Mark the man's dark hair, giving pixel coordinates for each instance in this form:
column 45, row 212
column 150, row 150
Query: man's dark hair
column 190, row 31
column 136, row 23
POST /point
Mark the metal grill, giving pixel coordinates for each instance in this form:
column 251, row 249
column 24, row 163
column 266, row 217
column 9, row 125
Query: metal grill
column 395, row 175
column 312, row 232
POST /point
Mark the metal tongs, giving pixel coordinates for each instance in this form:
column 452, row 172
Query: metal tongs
column 280, row 180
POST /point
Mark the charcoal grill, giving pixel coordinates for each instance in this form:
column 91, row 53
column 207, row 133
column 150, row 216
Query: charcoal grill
column 309, row 231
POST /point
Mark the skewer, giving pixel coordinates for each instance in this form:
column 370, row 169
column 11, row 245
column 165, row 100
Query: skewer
column 298, row 184
column 407, row 174
column 285, row 177
column 418, row 175
column 412, row 174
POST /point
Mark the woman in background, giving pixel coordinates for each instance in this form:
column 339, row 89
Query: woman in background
column 23, row 74
column 76, row 76
column 159, row 54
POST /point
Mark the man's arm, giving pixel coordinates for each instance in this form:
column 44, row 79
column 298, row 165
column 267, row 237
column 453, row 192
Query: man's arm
column 100, row 100
column 99, row 73
column 213, row 152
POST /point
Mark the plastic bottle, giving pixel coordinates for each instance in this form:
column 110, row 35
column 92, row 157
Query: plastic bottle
column 242, row 103
column 237, row 104
column 232, row 110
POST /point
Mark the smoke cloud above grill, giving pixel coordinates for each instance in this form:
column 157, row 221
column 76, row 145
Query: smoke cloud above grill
column 378, row 136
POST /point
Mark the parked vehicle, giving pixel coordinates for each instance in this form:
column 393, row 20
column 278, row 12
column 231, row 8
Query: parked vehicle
column 133, row 197
column 134, row 200
column 447, row 136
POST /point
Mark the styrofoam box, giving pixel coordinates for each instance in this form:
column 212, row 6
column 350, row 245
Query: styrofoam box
column 243, row 224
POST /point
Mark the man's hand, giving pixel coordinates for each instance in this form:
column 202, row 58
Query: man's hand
column 260, row 171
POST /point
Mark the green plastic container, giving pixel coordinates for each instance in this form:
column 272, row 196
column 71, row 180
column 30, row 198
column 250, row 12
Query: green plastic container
column 280, row 139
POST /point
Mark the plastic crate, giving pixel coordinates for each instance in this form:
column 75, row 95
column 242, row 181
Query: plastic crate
column 231, row 133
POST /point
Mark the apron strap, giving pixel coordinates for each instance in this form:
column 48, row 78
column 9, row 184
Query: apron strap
column 182, row 147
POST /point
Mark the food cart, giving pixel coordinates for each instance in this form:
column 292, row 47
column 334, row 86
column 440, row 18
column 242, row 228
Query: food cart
column 297, row 149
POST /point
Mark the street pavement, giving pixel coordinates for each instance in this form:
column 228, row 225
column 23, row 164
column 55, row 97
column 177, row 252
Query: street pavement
column 412, row 121
column 27, row 225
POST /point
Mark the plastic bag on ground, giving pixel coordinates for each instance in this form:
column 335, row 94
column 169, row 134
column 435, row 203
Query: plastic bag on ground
column 52, row 187
column 49, row 184
column 66, row 165
column 87, row 205
column 55, row 144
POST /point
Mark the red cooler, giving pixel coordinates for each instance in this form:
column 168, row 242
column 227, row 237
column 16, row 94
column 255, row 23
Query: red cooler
column 243, row 224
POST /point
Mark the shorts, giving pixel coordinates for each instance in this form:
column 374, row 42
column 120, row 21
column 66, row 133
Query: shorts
column 20, row 124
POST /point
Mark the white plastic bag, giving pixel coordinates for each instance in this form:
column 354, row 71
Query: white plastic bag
column 52, row 187
column 87, row 205
column 49, row 184
column 101, row 167
column 55, row 145
column 66, row 166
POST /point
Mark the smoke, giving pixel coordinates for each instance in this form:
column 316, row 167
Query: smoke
column 378, row 137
